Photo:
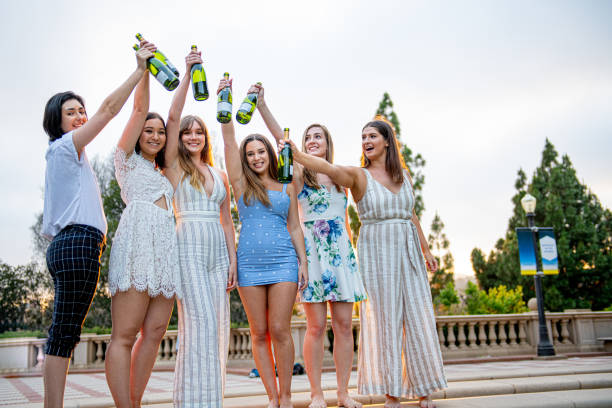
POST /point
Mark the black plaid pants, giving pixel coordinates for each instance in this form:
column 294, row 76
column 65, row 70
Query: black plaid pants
column 73, row 259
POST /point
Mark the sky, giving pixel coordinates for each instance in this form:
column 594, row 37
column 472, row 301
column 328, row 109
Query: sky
column 478, row 86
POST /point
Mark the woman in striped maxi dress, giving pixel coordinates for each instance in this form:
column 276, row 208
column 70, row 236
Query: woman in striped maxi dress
column 399, row 353
column 207, row 256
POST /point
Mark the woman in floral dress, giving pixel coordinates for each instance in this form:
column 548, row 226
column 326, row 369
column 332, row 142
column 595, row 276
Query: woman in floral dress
column 332, row 266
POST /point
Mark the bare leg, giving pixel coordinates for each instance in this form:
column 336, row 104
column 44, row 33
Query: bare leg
column 281, row 297
column 342, row 325
column 316, row 322
column 144, row 352
column 128, row 310
column 255, row 301
column 54, row 377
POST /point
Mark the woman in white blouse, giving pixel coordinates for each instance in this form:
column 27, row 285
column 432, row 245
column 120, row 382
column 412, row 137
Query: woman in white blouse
column 73, row 218
column 143, row 272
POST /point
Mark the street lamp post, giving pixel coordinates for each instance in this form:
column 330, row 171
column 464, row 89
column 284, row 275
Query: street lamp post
column 545, row 347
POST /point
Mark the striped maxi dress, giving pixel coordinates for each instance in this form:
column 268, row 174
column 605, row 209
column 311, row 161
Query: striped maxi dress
column 399, row 353
column 199, row 376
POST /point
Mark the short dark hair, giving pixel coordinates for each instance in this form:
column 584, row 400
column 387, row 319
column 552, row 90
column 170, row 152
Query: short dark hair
column 159, row 157
column 52, row 119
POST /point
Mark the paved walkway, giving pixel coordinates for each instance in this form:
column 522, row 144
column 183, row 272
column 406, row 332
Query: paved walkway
column 90, row 389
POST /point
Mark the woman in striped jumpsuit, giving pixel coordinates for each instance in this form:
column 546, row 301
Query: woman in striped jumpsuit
column 399, row 353
column 207, row 255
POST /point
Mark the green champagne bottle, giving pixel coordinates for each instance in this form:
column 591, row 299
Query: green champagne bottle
column 247, row 107
column 161, row 72
column 198, row 80
column 224, row 103
column 285, row 162
column 160, row 56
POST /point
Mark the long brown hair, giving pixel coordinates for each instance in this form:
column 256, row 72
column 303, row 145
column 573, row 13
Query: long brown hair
column 394, row 162
column 254, row 187
column 310, row 176
column 160, row 160
column 189, row 168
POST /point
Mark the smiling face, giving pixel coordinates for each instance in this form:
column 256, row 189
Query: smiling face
column 315, row 142
column 257, row 156
column 194, row 139
column 373, row 144
column 73, row 115
column 152, row 139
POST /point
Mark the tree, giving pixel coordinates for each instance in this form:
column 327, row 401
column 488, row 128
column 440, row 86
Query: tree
column 583, row 230
column 354, row 222
column 415, row 163
column 439, row 244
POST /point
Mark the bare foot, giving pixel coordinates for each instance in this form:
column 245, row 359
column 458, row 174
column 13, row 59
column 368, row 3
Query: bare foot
column 426, row 402
column 392, row 402
column 317, row 402
column 348, row 402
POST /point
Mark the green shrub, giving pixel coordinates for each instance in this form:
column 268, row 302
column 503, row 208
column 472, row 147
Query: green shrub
column 498, row 300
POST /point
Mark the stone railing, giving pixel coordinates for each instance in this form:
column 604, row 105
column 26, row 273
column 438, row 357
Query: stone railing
column 461, row 336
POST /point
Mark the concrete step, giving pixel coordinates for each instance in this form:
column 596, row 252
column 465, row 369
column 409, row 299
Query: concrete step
column 508, row 391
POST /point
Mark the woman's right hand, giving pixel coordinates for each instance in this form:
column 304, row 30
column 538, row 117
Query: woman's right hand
column 144, row 53
column 224, row 83
column 257, row 88
column 194, row 57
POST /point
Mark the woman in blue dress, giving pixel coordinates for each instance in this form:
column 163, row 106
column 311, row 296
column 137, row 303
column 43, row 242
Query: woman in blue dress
column 270, row 246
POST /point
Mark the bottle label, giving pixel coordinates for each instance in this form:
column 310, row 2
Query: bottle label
column 198, row 75
column 224, row 107
column 246, row 106
column 162, row 77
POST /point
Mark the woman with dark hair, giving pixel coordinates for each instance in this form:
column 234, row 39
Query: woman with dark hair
column 207, row 255
column 268, row 270
column 73, row 218
column 399, row 353
column 143, row 270
column 332, row 266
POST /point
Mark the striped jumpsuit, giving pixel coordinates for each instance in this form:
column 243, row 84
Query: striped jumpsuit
column 199, row 375
column 399, row 354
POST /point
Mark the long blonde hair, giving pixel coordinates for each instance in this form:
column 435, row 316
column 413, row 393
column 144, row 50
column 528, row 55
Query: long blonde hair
column 189, row 168
column 254, row 188
column 310, row 176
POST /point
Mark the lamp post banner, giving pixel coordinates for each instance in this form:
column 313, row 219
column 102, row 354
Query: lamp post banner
column 527, row 254
column 548, row 249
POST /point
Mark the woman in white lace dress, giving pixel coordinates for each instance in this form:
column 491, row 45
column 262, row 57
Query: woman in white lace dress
column 207, row 255
column 143, row 273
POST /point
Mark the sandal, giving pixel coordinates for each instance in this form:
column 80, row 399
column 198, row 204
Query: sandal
column 392, row 402
column 318, row 403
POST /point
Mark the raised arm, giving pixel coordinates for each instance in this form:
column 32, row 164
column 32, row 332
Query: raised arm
column 268, row 118
column 113, row 103
column 176, row 109
column 233, row 162
column 133, row 128
column 347, row 176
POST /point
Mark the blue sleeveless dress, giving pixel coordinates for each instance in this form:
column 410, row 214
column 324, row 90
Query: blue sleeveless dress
column 265, row 251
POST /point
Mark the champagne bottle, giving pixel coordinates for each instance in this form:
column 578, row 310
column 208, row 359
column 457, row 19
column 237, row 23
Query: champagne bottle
column 161, row 72
column 285, row 162
column 247, row 107
column 198, row 80
column 160, row 56
column 224, row 103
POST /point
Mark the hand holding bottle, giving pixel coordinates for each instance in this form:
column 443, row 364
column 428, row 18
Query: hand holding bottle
column 144, row 53
column 194, row 57
column 224, row 83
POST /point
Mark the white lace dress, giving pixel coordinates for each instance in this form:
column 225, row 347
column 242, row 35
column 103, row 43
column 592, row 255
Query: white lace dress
column 144, row 252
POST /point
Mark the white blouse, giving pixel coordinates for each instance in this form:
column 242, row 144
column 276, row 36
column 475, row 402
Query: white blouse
column 72, row 194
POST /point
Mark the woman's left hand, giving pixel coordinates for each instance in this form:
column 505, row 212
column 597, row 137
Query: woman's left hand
column 431, row 262
column 302, row 276
column 232, row 276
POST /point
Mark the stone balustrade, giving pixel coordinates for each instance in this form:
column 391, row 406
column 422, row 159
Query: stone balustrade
column 460, row 336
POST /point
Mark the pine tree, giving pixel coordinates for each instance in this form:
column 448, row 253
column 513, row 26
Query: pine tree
column 583, row 230
column 439, row 244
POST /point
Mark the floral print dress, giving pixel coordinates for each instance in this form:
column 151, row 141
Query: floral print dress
column 333, row 274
